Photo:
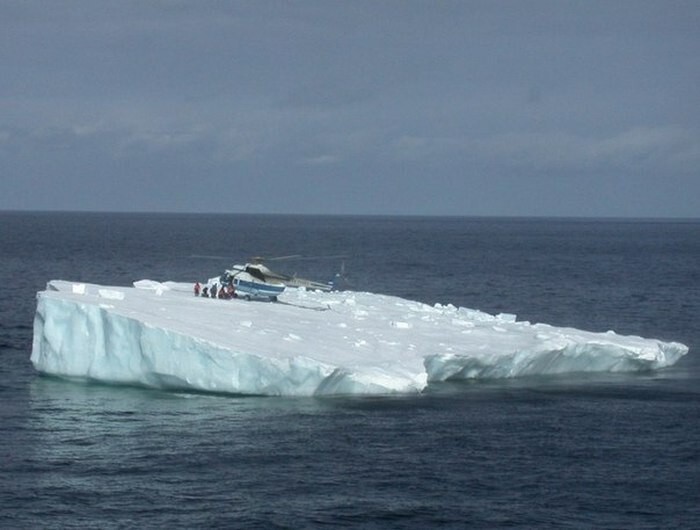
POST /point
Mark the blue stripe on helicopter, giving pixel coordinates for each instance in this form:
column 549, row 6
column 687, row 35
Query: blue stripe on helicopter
column 258, row 288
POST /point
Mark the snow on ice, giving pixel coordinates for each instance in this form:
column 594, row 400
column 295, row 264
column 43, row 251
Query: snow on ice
column 310, row 343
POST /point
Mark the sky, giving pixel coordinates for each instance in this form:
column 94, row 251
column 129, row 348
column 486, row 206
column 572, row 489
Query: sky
column 382, row 107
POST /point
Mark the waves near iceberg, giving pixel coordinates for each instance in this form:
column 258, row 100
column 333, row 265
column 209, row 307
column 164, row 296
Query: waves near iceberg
column 310, row 343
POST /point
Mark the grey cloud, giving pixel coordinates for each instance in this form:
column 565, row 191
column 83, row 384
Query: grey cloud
column 316, row 98
column 671, row 149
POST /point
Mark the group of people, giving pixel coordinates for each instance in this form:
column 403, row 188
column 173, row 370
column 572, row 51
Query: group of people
column 222, row 292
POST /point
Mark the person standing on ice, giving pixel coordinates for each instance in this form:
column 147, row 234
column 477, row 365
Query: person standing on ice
column 197, row 288
column 212, row 291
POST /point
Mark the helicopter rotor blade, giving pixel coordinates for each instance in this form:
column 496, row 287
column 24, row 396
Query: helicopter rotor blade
column 284, row 258
column 260, row 259
column 297, row 257
column 207, row 256
column 334, row 256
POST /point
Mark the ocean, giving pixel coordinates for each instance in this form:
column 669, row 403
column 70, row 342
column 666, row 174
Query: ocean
column 573, row 451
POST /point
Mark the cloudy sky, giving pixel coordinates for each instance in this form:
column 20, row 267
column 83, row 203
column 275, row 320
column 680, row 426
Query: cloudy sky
column 494, row 107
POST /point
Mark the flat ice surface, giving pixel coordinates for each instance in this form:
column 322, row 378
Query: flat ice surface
column 310, row 343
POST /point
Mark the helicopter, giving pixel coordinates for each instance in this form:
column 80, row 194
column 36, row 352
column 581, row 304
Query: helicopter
column 255, row 280
column 258, row 269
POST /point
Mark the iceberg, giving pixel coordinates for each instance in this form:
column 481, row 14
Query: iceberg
column 309, row 343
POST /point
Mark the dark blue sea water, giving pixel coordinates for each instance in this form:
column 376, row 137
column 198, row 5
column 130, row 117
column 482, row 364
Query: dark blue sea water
column 577, row 451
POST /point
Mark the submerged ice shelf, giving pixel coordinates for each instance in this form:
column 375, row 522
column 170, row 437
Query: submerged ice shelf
column 311, row 343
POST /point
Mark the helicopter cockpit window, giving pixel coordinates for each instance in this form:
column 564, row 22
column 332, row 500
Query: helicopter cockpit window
column 255, row 273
